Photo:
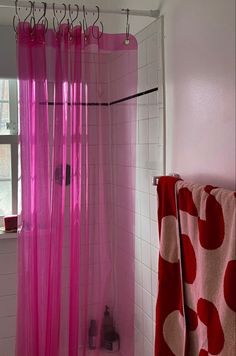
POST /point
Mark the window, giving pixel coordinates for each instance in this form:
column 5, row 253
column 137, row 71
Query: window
column 8, row 147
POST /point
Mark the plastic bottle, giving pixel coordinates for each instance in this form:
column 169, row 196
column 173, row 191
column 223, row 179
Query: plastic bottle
column 110, row 338
column 92, row 334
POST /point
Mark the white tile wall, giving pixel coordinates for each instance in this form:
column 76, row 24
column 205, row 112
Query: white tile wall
column 149, row 161
column 148, row 147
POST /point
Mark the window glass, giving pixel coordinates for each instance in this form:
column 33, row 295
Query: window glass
column 4, row 107
column 19, row 207
column 5, row 180
column 8, row 148
column 4, row 89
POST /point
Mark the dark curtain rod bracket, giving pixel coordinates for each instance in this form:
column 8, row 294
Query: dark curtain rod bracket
column 50, row 103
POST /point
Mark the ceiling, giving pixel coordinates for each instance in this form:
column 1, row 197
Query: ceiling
column 112, row 23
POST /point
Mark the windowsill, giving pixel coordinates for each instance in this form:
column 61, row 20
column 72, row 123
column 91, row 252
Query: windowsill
column 7, row 235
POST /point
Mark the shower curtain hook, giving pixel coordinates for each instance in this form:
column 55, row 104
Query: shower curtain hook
column 63, row 17
column 16, row 16
column 32, row 19
column 31, row 11
column 43, row 18
column 85, row 25
column 98, row 16
column 127, row 30
column 72, row 20
column 56, row 22
column 55, row 18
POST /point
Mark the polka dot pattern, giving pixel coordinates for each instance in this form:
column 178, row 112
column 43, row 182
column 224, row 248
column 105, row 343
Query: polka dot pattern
column 209, row 188
column 191, row 319
column 186, row 202
column 189, row 260
column 209, row 315
column 230, row 285
column 196, row 305
column 211, row 230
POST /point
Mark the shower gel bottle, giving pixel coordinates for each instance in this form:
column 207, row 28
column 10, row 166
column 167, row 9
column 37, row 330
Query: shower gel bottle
column 92, row 335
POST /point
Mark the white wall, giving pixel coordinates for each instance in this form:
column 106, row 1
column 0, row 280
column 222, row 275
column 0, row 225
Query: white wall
column 200, row 89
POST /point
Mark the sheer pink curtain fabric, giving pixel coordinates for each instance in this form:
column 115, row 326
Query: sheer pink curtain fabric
column 67, row 263
column 34, row 237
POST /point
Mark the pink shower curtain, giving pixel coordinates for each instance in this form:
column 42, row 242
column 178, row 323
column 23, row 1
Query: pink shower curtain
column 65, row 259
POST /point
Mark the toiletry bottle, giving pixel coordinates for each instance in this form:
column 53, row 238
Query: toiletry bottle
column 107, row 327
column 92, row 334
column 108, row 321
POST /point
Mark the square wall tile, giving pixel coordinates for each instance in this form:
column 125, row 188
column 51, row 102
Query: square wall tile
column 138, row 343
column 142, row 107
column 154, row 284
column 154, row 233
column 138, row 272
column 143, row 79
column 148, row 328
column 147, row 278
column 145, row 228
column 138, row 249
column 154, row 258
column 138, row 295
column 7, row 346
column 153, row 130
column 144, row 204
column 148, row 348
column 142, row 151
column 143, row 136
column 153, row 80
column 138, row 318
column 147, row 303
column 142, row 54
column 152, row 49
column 146, row 254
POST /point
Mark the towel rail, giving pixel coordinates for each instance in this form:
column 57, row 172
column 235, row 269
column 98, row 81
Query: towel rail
column 155, row 178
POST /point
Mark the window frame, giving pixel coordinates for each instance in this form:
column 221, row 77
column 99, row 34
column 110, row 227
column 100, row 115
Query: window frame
column 12, row 139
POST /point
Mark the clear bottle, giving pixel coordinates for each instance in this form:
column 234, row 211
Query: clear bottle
column 93, row 334
column 107, row 321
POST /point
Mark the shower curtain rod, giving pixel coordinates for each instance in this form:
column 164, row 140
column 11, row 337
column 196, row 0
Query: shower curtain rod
column 39, row 5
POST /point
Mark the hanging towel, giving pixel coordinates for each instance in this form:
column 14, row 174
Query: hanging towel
column 196, row 304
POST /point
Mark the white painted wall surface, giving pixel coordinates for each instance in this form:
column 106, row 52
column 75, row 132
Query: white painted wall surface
column 200, row 89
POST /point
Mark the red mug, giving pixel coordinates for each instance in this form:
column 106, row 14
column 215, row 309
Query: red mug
column 10, row 223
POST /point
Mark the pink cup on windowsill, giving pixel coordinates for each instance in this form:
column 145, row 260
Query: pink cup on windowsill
column 10, row 223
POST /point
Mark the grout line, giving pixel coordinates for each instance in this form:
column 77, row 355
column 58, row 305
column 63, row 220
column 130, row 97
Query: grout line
column 7, row 316
column 7, row 337
column 7, row 295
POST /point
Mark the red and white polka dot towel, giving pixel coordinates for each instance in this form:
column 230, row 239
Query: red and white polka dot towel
column 196, row 305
